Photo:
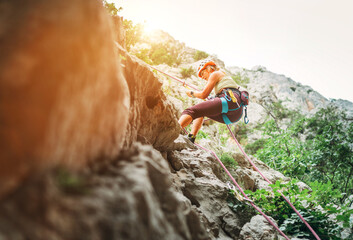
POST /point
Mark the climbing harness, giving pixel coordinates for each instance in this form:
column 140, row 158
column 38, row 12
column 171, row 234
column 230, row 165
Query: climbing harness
column 225, row 108
column 244, row 98
column 231, row 94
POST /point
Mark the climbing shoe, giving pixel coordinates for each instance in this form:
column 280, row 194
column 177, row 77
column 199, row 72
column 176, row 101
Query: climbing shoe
column 191, row 137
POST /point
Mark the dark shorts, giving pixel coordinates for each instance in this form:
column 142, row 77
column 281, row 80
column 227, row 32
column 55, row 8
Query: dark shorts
column 213, row 109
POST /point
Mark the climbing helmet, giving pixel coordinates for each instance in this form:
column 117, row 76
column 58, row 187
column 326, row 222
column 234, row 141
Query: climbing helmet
column 204, row 64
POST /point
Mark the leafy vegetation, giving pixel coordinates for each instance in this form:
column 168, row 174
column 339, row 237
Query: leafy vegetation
column 277, row 111
column 252, row 148
column 164, row 53
column 143, row 54
column 241, row 79
column 326, row 218
column 228, row 160
column 325, row 155
column 282, row 151
column 202, row 134
column 200, row 55
column 133, row 33
column 160, row 53
column 316, row 150
column 111, row 8
column 187, row 72
column 330, row 140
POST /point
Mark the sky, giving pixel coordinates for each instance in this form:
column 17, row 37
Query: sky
column 309, row 41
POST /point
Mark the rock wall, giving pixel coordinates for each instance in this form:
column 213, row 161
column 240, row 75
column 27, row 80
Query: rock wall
column 63, row 98
column 137, row 195
column 120, row 35
column 152, row 119
column 129, row 197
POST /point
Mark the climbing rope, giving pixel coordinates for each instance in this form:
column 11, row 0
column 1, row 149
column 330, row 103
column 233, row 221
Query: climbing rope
column 179, row 80
column 254, row 166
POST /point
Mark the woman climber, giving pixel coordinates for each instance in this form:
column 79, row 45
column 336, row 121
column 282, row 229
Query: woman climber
column 226, row 107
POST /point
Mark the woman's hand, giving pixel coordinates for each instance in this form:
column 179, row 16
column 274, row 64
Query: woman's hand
column 189, row 93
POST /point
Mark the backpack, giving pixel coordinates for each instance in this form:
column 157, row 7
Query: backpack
column 244, row 96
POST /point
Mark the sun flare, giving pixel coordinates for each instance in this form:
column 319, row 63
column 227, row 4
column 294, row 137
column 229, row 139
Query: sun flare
column 149, row 27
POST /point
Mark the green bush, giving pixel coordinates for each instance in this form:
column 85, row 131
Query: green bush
column 252, row 148
column 111, row 8
column 202, row 134
column 160, row 55
column 283, row 151
column 133, row 33
column 200, row 55
column 241, row 80
column 316, row 150
column 228, row 160
column 325, row 155
column 164, row 53
column 187, row 72
column 312, row 207
column 143, row 54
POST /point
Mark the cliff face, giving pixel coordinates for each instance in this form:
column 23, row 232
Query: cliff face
column 67, row 102
column 62, row 91
column 152, row 119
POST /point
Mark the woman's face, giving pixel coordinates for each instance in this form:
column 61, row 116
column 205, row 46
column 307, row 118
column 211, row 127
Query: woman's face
column 205, row 74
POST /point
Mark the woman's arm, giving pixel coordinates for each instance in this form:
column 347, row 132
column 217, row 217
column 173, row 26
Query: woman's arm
column 215, row 77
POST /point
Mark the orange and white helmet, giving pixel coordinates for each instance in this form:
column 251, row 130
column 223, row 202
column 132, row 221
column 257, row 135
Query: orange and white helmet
column 204, row 64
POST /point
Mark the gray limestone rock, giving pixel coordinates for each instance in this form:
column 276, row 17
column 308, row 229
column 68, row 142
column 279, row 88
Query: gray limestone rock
column 258, row 228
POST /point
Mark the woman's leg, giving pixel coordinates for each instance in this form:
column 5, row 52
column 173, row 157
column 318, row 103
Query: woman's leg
column 197, row 124
column 212, row 109
column 197, row 112
column 185, row 120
